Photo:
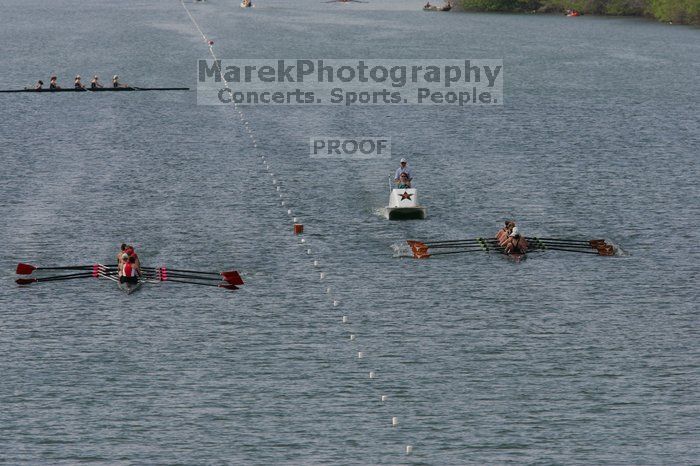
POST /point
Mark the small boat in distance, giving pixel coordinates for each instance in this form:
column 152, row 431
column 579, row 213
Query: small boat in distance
column 446, row 7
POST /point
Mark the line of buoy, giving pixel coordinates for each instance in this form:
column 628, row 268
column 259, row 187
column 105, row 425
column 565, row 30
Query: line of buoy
column 298, row 227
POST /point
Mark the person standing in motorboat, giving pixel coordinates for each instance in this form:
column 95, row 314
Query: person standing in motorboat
column 403, row 168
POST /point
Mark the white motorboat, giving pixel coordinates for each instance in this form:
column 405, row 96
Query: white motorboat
column 403, row 205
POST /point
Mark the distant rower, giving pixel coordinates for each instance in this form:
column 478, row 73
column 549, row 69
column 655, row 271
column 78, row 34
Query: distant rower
column 95, row 83
column 116, row 83
column 78, row 84
column 39, row 85
column 53, row 84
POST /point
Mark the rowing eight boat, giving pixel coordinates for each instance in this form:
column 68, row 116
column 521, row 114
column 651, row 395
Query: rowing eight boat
column 99, row 89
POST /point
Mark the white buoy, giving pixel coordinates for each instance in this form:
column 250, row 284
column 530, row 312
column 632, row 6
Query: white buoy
column 384, row 397
column 315, row 263
column 409, row 449
column 345, row 319
column 308, row 251
column 361, row 355
column 328, row 290
column 274, row 181
column 335, row 303
column 294, row 219
column 278, row 188
column 289, row 211
column 394, row 421
column 303, row 240
column 372, row 375
column 282, row 203
column 323, row 275
column 352, row 337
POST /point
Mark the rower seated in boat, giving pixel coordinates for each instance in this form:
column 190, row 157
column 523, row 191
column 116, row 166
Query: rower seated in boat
column 515, row 243
column 404, row 182
column 120, row 255
column 95, row 83
column 116, row 83
column 427, row 5
column 131, row 253
column 78, row 84
column 130, row 273
column 503, row 233
column 39, row 85
column 53, row 84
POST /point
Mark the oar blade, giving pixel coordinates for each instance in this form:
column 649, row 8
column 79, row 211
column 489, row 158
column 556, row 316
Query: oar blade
column 232, row 277
column 25, row 269
column 25, row 281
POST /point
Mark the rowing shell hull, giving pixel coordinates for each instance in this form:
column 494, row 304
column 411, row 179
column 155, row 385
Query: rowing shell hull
column 130, row 288
column 405, row 213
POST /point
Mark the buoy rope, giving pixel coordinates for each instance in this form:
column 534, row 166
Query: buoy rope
column 302, row 241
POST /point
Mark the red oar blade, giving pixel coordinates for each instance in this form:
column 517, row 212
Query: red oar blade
column 25, row 281
column 232, row 277
column 25, row 269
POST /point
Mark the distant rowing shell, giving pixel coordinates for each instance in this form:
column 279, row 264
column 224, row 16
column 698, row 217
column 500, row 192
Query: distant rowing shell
column 99, row 89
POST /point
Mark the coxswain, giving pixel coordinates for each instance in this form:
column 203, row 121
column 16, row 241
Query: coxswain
column 39, row 85
column 79, row 85
column 130, row 273
column 95, row 83
column 403, row 168
column 502, row 235
column 53, row 85
column 515, row 243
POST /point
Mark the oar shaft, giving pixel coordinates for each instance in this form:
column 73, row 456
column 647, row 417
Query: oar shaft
column 168, row 276
column 199, row 283
column 168, row 270
column 456, row 252
column 565, row 240
column 583, row 251
column 456, row 245
column 460, row 241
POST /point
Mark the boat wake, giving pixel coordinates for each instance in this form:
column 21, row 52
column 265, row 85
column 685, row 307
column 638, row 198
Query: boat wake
column 401, row 249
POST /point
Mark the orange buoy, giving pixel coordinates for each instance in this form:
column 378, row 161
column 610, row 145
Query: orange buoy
column 298, row 228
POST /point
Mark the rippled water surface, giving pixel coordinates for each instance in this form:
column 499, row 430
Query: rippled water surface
column 563, row 358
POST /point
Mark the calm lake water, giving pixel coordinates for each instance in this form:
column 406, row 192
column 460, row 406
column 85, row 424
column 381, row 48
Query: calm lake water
column 564, row 358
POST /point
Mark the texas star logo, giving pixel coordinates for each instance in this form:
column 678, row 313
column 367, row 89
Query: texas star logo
column 405, row 196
